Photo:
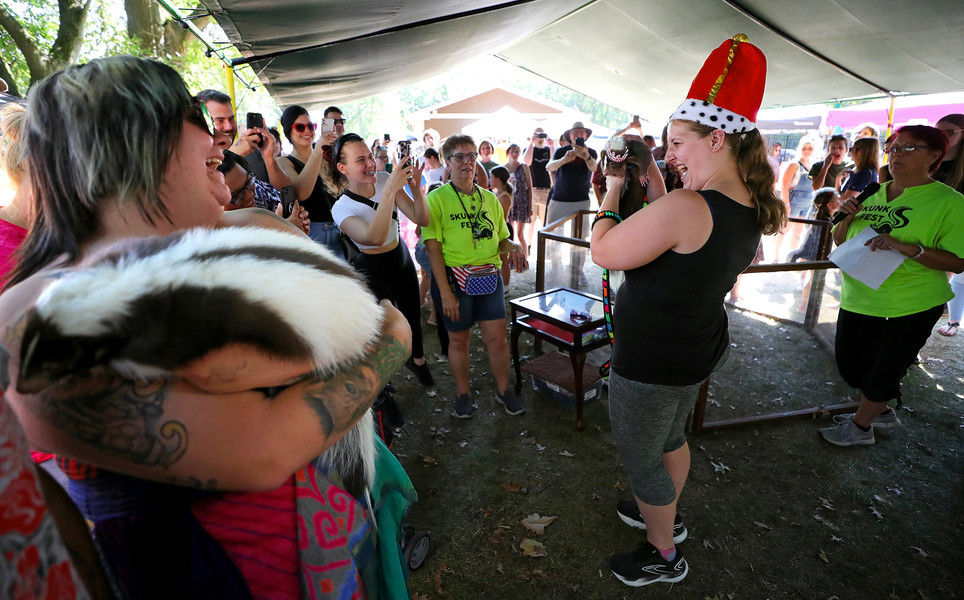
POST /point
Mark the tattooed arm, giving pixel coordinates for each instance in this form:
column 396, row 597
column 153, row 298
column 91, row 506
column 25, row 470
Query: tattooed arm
column 174, row 432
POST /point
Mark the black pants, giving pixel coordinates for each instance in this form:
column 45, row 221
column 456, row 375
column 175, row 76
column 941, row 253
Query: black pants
column 392, row 276
column 874, row 353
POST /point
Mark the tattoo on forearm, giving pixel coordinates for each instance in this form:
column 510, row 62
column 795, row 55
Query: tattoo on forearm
column 341, row 399
column 117, row 417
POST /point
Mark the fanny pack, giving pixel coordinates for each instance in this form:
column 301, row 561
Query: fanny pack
column 477, row 280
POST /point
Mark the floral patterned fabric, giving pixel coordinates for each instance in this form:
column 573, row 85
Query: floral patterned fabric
column 33, row 559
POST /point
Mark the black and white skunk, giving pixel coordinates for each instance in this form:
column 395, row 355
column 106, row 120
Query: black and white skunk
column 148, row 306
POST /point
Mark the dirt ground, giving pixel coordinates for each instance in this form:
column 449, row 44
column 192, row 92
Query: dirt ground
column 772, row 511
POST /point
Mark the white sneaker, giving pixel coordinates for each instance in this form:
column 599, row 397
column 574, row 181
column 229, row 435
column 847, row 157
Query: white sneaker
column 888, row 420
column 848, row 434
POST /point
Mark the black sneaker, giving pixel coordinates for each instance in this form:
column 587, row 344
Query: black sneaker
column 463, row 407
column 510, row 402
column 645, row 565
column 628, row 511
column 421, row 372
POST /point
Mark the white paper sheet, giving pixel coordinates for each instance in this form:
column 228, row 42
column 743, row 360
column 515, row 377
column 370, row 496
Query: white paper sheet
column 856, row 259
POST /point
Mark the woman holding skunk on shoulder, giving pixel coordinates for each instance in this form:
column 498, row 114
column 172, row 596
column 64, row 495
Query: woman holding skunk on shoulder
column 682, row 254
column 176, row 359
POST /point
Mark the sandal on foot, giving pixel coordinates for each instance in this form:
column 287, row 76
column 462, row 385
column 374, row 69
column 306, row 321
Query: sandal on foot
column 949, row 329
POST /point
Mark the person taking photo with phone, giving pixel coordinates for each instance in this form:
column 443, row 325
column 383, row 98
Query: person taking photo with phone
column 306, row 166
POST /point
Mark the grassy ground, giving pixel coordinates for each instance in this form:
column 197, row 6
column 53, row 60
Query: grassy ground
column 772, row 511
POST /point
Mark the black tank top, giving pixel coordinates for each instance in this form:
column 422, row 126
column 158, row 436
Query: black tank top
column 540, row 176
column 319, row 203
column 669, row 321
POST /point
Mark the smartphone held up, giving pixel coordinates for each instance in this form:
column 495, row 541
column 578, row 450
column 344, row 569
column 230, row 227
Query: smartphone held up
column 256, row 120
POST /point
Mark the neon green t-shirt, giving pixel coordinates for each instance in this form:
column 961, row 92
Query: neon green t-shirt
column 452, row 226
column 930, row 215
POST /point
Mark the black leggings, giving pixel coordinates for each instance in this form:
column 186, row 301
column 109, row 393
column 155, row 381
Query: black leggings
column 874, row 353
column 392, row 276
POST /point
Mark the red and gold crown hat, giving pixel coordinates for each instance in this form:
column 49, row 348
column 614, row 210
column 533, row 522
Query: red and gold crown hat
column 728, row 90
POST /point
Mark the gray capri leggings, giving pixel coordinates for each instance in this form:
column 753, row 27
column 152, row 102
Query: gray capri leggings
column 648, row 421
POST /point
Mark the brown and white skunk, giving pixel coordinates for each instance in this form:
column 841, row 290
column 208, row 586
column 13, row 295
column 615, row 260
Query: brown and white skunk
column 628, row 156
column 147, row 307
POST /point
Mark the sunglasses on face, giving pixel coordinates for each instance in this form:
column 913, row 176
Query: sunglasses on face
column 300, row 127
column 237, row 196
column 199, row 115
column 339, row 121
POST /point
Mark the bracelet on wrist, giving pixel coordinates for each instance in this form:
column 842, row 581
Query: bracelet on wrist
column 606, row 214
column 919, row 254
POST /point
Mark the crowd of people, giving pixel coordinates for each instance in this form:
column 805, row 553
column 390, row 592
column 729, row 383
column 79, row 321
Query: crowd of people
column 120, row 169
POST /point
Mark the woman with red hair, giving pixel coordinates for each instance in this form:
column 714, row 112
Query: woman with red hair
column 880, row 331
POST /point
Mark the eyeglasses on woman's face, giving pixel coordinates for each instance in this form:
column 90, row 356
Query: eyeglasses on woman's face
column 300, row 127
column 906, row 149
column 462, row 157
column 237, row 196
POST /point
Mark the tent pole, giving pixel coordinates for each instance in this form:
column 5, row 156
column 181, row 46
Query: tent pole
column 229, row 84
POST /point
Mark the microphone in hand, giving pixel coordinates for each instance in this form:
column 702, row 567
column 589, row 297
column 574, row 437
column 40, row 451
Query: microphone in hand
column 869, row 191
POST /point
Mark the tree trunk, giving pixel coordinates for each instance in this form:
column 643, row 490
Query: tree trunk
column 70, row 36
column 176, row 37
column 144, row 24
column 7, row 76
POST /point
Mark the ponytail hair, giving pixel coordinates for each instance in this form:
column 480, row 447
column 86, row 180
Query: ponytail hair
column 749, row 150
column 335, row 180
column 502, row 174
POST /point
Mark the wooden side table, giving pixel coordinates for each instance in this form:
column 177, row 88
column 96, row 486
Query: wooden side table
column 570, row 319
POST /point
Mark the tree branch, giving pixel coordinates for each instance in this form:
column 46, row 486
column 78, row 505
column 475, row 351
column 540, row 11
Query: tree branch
column 25, row 43
column 70, row 35
column 7, row 76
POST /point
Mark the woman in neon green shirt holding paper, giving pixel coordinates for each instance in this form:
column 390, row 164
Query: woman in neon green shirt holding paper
column 880, row 332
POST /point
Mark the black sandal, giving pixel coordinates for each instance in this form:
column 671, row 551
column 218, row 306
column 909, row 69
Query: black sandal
column 949, row 329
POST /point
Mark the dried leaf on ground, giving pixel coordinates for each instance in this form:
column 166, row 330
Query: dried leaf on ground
column 707, row 544
column 823, row 557
column 826, row 504
column 720, row 467
column 498, row 567
column 539, row 573
column 428, row 459
column 619, row 485
column 919, row 553
column 566, row 453
column 876, row 513
column 536, row 523
column 417, row 596
column 510, row 487
column 882, row 500
column 532, row 548
column 762, row 525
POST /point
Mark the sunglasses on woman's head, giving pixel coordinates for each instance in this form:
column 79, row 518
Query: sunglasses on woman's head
column 300, row 127
column 199, row 115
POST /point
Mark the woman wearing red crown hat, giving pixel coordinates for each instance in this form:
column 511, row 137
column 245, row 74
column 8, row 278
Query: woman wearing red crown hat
column 682, row 254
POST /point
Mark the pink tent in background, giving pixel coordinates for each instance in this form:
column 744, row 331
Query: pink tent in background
column 908, row 110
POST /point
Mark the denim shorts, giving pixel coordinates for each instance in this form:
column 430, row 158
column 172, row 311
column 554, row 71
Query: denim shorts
column 421, row 257
column 801, row 203
column 326, row 234
column 472, row 308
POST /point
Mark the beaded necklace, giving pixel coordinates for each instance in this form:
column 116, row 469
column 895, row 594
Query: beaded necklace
column 473, row 219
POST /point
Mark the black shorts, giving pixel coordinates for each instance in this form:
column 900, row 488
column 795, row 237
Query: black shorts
column 874, row 353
